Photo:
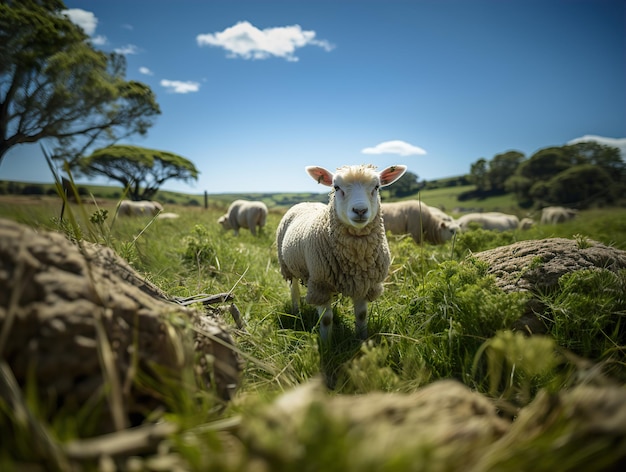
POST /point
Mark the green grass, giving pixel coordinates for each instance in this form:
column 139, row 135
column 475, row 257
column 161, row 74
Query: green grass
column 439, row 317
column 446, row 199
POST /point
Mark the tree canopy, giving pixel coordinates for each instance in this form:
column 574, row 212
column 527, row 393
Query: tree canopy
column 407, row 185
column 142, row 171
column 577, row 174
column 55, row 85
column 479, row 174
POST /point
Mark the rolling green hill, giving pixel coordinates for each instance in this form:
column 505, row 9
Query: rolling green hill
column 443, row 197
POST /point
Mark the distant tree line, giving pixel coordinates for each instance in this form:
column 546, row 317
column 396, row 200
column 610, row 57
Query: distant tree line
column 576, row 175
column 409, row 185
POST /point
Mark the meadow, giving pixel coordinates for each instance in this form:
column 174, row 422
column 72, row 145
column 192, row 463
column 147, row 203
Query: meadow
column 438, row 313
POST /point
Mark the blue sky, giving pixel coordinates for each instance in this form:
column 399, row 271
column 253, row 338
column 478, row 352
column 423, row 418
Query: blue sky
column 253, row 91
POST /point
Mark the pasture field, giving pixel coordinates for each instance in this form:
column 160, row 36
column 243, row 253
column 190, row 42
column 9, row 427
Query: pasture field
column 436, row 316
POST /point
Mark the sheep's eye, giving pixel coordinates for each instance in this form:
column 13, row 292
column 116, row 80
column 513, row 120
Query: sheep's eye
column 337, row 188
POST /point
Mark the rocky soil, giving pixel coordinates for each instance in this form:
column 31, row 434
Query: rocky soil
column 81, row 323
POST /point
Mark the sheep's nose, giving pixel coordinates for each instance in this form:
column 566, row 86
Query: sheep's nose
column 360, row 211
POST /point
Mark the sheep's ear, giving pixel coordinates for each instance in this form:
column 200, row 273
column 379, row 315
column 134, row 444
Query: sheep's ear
column 320, row 175
column 391, row 174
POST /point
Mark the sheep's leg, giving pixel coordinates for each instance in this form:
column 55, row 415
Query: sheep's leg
column 295, row 295
column 252, row 225
column 360, row 314
column 326, row 321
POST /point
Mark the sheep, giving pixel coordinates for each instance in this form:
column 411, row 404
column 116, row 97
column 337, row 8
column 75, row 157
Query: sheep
column 440, row 213
column 526, row 223
column 339, row 247
column 244, row 214
column 489, row 220
column 416, row 218
column 168, row 216
column 556, row 214
column 139, row 208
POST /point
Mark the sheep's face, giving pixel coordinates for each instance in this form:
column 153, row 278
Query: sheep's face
column 356, row 190
column 356, row 200
column 223, row 220
column 447, row 230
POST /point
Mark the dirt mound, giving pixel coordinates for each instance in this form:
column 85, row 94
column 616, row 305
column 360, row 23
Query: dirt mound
column 538, row 264
column 89, row 330
column 440, row 427
column 535, row 266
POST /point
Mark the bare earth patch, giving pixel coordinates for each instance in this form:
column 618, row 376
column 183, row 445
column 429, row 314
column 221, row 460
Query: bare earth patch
column 91, row 331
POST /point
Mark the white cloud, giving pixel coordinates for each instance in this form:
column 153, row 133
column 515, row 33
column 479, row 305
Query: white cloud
column 85, row 19
column 247, row 41
column 127, row 26
column 177, row 86
column 99, row 40
column 401, row 148
column 88, row 22
column 128, row 49
column 145, row 71
column 619, row 143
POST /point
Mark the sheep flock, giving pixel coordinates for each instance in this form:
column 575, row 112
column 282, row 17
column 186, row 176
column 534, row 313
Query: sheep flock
column 340, row 247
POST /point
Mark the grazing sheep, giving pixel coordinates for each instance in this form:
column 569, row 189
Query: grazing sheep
column 416, row 218
column 526, row 223
column 168, row 216
column 440, row 213
column 489, row 220
column 139, row 208
column 339, row 247
column 556, row 214
column 244, row 214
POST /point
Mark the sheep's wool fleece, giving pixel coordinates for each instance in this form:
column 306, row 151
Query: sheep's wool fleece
column 330, row 257
column 414, row 218
column 246, row 214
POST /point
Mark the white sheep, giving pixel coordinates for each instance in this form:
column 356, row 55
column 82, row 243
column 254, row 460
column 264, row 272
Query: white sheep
column 417, row 219
column 526, row 223
column 139, row 208
column 168, row 216
column 244, row 214
column 440, row 213
column 557, row 214
column 493, row 220
column 339, row 247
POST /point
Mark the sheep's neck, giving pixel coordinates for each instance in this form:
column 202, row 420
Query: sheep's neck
column 361, row 253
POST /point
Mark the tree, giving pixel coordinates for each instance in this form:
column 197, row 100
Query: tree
column 55, row 85
column 501, row 168
column 608, row 158
column 478, row 175
column 406, row 185
column 581, row 185
column 520, row 186
column 546, row 163
column 142, row 171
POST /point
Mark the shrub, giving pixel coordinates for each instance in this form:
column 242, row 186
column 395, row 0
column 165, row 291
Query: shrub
column 198, row 247
column 455, row 310
column 580, row 186
column 587, row 315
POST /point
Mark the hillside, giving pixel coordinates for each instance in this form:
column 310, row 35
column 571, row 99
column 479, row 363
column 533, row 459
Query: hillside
column 443, row 197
